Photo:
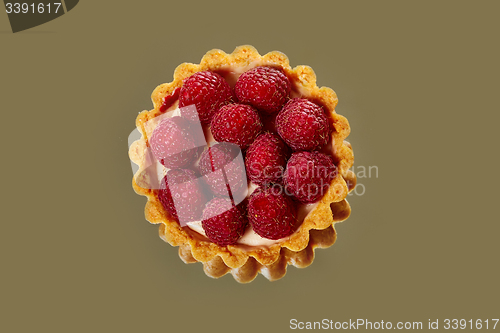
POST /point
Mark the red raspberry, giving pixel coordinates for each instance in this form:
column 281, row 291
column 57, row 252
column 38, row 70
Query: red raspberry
column 236, row 123
column 303, row 125
column 265, row 159
column 265, row 88
column 223, row 170
column 308, row 175
column 172, row 143
column 223, row 222
column 271, row 213
column 208, row 91
column 188, row 197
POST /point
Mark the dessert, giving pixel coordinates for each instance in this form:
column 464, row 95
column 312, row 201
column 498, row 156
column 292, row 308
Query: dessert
column 244, row 163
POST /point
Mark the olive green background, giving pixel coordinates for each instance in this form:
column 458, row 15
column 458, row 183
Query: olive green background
column 418, row 82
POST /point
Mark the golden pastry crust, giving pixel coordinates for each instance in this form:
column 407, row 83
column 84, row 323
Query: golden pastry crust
column 317, row 230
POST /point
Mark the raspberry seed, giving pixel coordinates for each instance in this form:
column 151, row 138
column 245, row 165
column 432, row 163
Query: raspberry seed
column 265, row 88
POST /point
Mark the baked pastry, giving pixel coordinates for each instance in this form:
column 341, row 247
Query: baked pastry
column 266, row 180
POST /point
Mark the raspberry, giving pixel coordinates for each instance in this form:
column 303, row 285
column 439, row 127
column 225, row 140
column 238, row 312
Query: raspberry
column 223, row 170
column 271, row 213
column 265, row 159
column 303, row 125
column 236, row 123
column 188, row 197
column 265, row 88
column 308, row 175
column 172, row 143
column 223, row 222
column 208, row 91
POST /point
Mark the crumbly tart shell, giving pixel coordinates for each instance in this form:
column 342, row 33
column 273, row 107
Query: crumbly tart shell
column 316, row 231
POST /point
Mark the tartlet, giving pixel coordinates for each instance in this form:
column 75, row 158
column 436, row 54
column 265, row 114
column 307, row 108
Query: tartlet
column 245, row 261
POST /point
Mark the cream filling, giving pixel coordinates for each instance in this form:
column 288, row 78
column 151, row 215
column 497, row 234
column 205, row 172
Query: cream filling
column 250, row 237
